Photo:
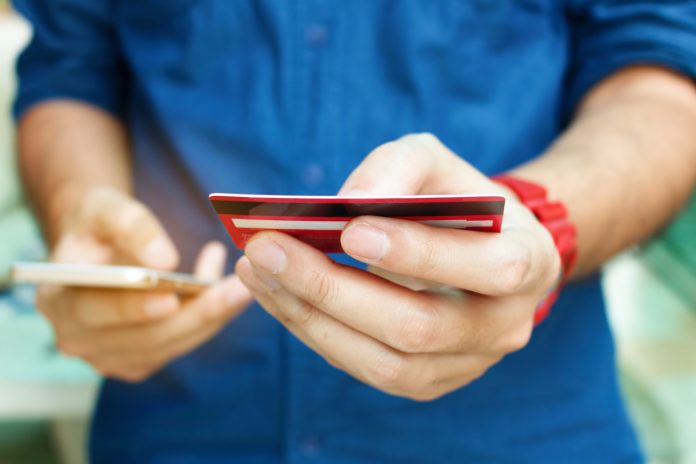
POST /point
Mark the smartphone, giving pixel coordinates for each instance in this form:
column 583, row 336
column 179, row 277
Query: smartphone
column 106, row 276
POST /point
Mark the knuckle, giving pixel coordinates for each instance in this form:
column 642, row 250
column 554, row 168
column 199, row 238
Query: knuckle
column 409, row 151
column 92, row 206
column 303, row 313
column 100, row 366
column 132, row 375
column 386, row 371
column 131, row 217
column 322, row 288
column 280, row 313
column 427, row 138
column 476, row 337
column 385, row 150
column 425, row 142
column 554, row 269
column 474, row 376
column 84, row 317
column 517, row 339
column 92, row 202
column 98, row 195
column 423, row 385
column 134, row 313
column 333, row 363
column 156, row 340
column 46, row 300
column 69, row 348
column 411, row 147
column 514, row 266
column 424, row 395
column 125, row 371
column 151, row 339
column 418, row 331
column 214, row 309
column 131, row 309
column 427, row 261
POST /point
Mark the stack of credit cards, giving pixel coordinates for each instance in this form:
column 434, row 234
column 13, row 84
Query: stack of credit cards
column 319, row 220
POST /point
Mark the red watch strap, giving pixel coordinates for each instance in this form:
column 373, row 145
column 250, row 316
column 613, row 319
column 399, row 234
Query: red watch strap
column 553, row 216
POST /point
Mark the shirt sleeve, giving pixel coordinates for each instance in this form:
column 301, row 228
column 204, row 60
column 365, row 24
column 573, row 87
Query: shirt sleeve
column 73, row 54
column 607, row 35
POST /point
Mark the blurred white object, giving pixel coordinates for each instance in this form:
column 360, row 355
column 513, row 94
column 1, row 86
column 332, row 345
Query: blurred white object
column 14, row 34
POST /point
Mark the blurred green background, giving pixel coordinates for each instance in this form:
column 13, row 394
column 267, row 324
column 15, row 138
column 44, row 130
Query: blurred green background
column 45, row 398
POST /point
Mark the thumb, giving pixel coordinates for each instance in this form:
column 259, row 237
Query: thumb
column 130, row 227
column 210, row 264
column 228, row 296
column 412, row 165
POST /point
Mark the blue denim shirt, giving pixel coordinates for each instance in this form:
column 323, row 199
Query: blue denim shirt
column 287, row 97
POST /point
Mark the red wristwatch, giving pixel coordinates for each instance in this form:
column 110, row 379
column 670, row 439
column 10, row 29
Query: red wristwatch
column 554, row 217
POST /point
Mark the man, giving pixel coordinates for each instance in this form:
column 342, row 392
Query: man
column 131, row 112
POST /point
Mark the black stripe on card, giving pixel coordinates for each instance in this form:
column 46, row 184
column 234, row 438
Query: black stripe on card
column 462, row 208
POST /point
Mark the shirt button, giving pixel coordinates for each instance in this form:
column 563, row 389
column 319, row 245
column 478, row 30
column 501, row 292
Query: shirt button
column 316, row 35
column 313, row 175
column 311, row 445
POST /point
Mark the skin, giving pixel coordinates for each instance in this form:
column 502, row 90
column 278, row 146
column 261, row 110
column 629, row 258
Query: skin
column 478, row 292
column 76, row 169
column 467, row 298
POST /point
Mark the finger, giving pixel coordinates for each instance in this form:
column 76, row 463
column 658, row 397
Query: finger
column 50, row 302
column 74, row 248
column 210, row 264
column 97, row 308
column 343, row 347
column 406, row 320
column 135, row 366
column 213, row 308
column 490, row 264
column 418, row 376
column 409, row 282
column 73, row 309
column 130, row 226
column 107, row 308
column 118, row 368
column 414, row 164
column 246, row 274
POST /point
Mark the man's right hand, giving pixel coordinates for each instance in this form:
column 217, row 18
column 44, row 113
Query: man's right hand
column 129, row 334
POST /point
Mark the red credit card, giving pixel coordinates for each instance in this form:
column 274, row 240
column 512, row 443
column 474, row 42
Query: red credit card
column 319, row 220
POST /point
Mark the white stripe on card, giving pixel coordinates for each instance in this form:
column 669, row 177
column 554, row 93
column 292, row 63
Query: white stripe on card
column 458, row 223
column 287, row 224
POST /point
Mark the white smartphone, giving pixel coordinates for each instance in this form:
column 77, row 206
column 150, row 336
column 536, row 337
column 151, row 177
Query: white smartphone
column 106, row 276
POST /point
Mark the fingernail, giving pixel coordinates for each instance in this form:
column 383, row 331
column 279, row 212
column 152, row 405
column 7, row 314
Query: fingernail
column 257, row 281
column 159, row 254
column 366, row 241
column 217, row 249
column 158, row 306
column 266, row 255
